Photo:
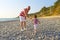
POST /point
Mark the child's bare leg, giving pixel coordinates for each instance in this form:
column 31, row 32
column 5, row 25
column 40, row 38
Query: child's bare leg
column 35, row 31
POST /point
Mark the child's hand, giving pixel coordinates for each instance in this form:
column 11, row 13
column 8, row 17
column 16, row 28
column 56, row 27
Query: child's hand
column 38, row 22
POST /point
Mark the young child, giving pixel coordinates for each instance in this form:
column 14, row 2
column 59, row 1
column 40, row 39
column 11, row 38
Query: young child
column 35, row 22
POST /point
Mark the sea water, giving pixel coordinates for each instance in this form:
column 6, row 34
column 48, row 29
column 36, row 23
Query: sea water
column 8, row 19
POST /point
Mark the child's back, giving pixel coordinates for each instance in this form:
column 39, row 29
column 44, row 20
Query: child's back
column 35, row 21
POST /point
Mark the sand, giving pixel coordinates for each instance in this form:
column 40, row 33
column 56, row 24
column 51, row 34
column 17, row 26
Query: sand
column 48, row 29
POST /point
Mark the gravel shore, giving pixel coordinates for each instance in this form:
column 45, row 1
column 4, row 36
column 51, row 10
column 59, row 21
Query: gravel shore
column 48, row 29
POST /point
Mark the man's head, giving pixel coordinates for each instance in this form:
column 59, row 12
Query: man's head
column 28, row 7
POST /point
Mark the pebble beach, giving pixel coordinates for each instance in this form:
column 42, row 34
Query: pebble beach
column 48, row 29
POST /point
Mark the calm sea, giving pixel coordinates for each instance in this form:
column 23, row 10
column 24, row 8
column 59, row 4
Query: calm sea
column 8, row 19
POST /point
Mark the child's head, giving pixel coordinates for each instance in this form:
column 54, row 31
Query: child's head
column 35, row 16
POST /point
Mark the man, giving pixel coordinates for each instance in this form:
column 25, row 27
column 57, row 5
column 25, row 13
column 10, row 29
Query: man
column 22, row 17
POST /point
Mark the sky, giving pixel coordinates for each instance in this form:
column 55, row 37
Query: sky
column 12, row 8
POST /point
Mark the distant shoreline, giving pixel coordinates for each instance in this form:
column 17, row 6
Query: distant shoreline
column 16, row 19
column 8, row 19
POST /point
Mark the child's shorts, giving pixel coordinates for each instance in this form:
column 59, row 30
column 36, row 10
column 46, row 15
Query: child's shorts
column 35, row 25
column 22, row 18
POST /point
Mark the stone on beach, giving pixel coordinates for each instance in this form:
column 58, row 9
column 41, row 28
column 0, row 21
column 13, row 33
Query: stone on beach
column 48, row 29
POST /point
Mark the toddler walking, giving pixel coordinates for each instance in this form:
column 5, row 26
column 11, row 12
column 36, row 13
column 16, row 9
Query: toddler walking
column 35, row 22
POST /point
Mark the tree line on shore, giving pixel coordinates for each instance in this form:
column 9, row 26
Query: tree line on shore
column 53, row 10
